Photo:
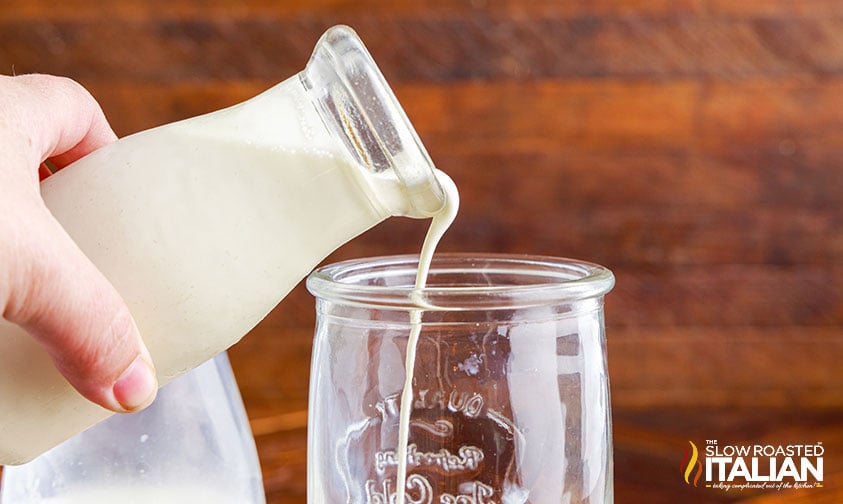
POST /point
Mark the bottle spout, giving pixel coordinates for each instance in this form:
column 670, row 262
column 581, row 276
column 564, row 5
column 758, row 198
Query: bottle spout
column 354, row 101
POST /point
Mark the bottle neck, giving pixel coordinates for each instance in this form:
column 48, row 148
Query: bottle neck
column 357, row 106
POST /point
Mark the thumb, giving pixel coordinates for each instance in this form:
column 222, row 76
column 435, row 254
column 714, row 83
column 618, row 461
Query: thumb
column 47, row 285
column 58, row 296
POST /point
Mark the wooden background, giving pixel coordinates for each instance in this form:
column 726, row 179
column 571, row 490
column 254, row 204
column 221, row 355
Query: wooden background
column 695, row 147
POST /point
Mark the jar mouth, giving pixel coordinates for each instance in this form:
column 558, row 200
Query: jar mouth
column 460, row 282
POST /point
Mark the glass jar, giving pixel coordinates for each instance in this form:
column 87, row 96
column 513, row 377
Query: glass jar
column 510, row 388
column 193, row 444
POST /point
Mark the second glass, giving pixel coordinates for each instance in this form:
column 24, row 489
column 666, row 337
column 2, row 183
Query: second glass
column 510, row 389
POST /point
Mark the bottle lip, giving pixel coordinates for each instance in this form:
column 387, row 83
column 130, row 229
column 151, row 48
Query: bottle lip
column 461, row 282
column 355, row 102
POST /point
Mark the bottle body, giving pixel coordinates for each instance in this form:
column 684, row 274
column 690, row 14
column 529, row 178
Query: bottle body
column 204, row 225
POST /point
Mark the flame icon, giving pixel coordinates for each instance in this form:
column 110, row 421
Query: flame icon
column 691, row 462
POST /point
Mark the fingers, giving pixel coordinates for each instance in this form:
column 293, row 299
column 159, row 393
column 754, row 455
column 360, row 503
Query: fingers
column 60, row 298
column 61, row 120
column 47, row 285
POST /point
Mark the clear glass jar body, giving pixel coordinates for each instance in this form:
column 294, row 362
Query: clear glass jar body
column 193, row 444
column 510, row 389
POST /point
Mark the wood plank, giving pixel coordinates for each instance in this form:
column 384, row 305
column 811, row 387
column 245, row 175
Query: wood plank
column 283, row 458
column 781, row 118
column 21, row 10
column 275, row 394
column 546, row 115
column 476, row 46
column 530, row 116
column 754, row 110
column 29, row 10
column 649, row 448
column 778, row 365
column 600, row 143
column 625, row 237
column 794, row 368
column 766, row 363
column 774, row 116
column 648, row 451
column 770, row 8
column 716, row 296
column 630, row 237
column 549, row 116
column 649, row 367
column 535, row 114
column 728, row 297
column 740, row 295
column 132, row 107
column 670, row 385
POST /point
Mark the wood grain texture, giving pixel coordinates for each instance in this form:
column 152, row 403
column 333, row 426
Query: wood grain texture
column 28, row 10
column 470, row 44
column 693, row 146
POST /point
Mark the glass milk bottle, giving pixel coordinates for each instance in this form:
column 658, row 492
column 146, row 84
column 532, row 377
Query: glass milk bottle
column 204, row 225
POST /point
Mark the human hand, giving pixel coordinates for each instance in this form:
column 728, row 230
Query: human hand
column 47, row 285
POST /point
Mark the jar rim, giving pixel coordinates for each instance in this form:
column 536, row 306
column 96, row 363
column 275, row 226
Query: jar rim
column 460, row 281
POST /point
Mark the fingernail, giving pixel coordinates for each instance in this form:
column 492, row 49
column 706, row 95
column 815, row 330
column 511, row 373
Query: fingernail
column 137, row 386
